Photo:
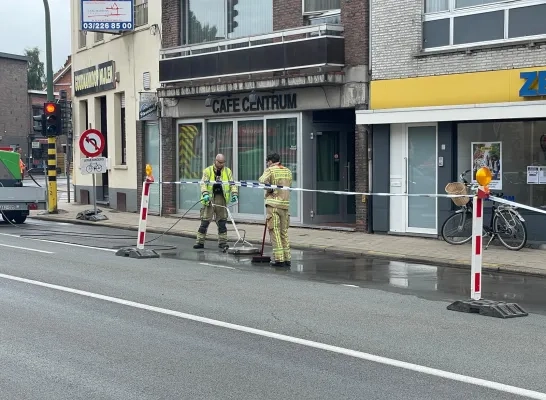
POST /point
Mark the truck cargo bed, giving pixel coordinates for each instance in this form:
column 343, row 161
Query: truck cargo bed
column 24, row 194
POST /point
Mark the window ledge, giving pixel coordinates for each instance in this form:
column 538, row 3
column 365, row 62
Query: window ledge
column 471, row 48
column 121, row 167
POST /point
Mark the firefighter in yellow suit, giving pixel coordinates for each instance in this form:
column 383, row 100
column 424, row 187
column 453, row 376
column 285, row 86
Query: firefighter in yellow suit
column 277, row 204
column 216, row 194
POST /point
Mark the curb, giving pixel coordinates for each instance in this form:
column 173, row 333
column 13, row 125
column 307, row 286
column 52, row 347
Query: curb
column 438, row 262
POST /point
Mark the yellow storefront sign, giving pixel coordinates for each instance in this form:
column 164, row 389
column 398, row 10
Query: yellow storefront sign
column 469, row 88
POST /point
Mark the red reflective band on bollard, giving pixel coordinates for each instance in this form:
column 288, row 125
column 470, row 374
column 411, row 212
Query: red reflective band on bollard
column 477, row 283
column 480, row 207
column 143, row 213
column 478, row 248
column 146, row 188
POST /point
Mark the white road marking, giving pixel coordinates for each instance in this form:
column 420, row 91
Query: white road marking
column 54, row 242
column 344, row 284
column 309, row 343
column 216, row 266
column 71, row 244
column 7, row 234
column 27, row 249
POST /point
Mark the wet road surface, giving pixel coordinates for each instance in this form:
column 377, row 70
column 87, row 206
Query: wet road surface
column 59, row 343
column 423, row 281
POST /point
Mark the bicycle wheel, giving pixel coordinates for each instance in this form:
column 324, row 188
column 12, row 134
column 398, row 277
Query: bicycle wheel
column 510, row 230
column 457, row 229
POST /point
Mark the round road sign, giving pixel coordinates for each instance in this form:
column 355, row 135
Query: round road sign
column 92, row 143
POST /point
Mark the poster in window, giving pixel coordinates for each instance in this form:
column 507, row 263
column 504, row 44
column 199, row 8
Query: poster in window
column 532, row 174
column 541, row 175
column 488, row 154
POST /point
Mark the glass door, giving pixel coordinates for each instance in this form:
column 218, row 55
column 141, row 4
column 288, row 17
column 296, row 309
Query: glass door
column 421, row 178
column 152, row 157
column 333, row 170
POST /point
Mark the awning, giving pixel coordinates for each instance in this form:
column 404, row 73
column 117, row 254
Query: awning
column 466, row 112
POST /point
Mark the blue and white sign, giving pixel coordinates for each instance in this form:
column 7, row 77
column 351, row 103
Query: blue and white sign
column 107, row 15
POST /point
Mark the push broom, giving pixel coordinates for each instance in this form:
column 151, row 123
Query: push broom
column 261, row 258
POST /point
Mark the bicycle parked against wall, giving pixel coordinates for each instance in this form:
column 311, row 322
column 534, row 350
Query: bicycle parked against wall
column 506, row 223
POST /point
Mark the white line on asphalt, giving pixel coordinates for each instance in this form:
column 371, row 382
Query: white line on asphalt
column 71, row 244
column 7, row 234
column 63, row 243
column 344, row 284
column 27, row 249
column 216, row 266
column 309, row 343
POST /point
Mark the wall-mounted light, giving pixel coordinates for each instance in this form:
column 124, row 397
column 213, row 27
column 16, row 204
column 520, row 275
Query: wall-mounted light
column 208, row 101
column 253, row 98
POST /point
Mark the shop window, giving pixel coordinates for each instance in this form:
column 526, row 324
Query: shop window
column 458, row 23
column 251, row 163
column 190, row 163
column 207, row 20
column 282, row 138
column 507, row 148
column 220, row 141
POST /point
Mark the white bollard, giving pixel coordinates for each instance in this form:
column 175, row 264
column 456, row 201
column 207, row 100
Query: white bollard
column 141, row 238
column 477, row 245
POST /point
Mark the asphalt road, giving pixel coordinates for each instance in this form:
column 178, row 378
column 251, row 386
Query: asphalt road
column 119, row 328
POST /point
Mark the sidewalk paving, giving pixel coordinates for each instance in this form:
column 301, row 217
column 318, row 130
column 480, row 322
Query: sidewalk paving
column 401, row 248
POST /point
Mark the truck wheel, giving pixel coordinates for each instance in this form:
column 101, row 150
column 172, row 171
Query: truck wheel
column 14, row 217
column 19, row 218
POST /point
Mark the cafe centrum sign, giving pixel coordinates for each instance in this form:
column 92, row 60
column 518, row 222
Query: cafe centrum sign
column 97, row 78
column 275, row 102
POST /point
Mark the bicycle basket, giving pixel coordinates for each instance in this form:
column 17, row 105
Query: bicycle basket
column 458, row 188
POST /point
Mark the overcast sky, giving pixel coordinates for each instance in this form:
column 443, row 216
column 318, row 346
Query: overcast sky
column 23, row 26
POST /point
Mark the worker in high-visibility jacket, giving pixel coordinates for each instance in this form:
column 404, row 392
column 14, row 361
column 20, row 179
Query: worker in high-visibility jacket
column 22, row 165
column 277, row 204
column 216, row 194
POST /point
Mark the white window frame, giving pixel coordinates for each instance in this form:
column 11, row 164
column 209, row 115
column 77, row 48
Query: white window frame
column 505, row 6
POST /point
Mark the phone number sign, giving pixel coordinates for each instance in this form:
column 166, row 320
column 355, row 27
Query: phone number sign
column 107, row 15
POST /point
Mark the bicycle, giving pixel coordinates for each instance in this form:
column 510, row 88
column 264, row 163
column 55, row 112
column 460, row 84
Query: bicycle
column 504, row 224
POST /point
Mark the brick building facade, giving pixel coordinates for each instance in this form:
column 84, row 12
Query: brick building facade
column 289, row 84
column 455, row 86
column 15, row 124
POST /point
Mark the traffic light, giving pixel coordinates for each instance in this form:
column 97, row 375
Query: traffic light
column 53, row 120
column 231, row 14
column 39, row 124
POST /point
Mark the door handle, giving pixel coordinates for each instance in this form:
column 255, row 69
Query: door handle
column 406, row 168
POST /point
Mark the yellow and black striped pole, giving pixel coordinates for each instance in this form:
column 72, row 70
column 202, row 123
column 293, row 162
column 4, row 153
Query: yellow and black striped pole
column 52, row 174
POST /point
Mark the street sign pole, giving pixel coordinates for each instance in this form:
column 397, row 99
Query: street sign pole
column 94, row 195
column 92, row 144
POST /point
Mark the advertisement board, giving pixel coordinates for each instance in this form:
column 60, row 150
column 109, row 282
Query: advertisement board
column 107, row 15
